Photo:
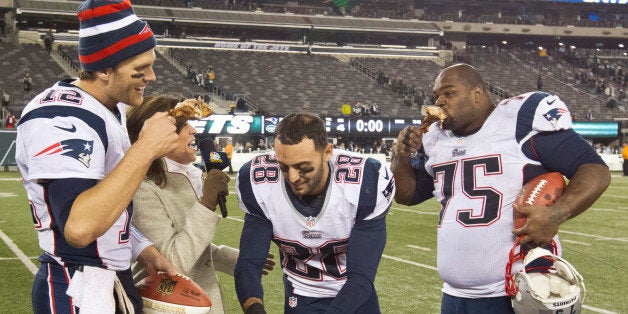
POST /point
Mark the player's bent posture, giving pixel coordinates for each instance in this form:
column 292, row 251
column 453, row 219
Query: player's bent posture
column 325, row 209
column 80, row 170
column 475, row 166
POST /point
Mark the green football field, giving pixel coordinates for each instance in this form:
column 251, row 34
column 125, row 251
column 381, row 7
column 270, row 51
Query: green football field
column 596, row 243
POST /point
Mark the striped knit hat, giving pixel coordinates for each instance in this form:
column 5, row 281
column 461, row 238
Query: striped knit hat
column 110, row 33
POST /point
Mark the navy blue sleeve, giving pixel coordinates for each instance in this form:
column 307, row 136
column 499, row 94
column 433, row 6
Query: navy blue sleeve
column 366, row 245
column 254, row 245
column 562, row 151
column 424, row 188
column 60, row 195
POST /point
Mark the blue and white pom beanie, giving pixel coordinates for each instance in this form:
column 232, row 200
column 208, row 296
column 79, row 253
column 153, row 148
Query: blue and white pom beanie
column 110, row 33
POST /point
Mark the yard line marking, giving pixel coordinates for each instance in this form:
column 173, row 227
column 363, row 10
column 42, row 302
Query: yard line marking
column 7, row 194
column 418, row 247
column 10, row 179
column 236, row 219
column 14, row 258
column 616, row 196
column 414, row 211
column 409, row 262
column 574, row 242
column 594, row 236
column 16, row 250
column 598, row 310
column 608, row 210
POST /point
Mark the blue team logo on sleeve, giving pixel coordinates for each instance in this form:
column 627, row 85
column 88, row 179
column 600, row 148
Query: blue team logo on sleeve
column 554, row 114
column 78, row 149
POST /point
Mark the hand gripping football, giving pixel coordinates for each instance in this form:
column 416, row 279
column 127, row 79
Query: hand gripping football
column 162, row 293
column 542, row 190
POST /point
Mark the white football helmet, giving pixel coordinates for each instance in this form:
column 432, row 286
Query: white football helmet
column 560, row 290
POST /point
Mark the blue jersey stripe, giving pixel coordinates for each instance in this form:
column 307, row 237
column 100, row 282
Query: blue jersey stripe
column 246, row 191
column 368, row 190
column 525, row 117
column 48, row 112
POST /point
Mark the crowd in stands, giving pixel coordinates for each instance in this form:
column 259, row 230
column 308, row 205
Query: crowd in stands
column 529, row 13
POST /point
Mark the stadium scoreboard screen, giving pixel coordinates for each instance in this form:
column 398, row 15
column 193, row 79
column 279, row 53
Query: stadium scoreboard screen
column 248, row 124
column 367, row 126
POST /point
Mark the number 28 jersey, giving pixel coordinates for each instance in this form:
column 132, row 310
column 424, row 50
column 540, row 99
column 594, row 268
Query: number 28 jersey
column 313, row 249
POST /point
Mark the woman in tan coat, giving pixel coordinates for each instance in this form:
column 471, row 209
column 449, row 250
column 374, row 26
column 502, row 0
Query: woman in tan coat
column 175, row 207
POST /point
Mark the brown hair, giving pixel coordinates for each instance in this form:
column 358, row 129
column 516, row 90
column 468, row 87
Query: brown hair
column 85, row 75
column 136, row 116
column 297, row 126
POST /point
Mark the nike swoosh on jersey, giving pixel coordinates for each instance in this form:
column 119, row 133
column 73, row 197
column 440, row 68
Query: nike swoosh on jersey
column 71, row 130
column 551, row 102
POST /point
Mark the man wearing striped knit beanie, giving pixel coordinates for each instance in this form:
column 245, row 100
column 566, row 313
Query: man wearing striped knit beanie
column 81, row 172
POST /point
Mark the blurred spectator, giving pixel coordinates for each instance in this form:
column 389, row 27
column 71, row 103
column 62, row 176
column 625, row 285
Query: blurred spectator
column 261, row 144
column 346, row 109
column 229, row 151
column 210, row 78
column 624, row 155
column 357, row 110
column 48, row 40
column 375, row 110
column 240, row 105
column 6, row 99
column 28, row 82
column 366, row 110
column 238, row 148
column 10, row 121
column 539, row 83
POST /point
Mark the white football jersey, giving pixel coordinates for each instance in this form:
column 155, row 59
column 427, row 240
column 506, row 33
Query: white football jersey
column 476, row 180
column 314, row 249
column 66, row 133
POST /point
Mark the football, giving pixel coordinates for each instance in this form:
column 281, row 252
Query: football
column 162, row 293
column 542, row 190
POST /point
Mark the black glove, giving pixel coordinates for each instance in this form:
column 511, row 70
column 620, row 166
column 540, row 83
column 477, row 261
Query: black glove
column 255, row 308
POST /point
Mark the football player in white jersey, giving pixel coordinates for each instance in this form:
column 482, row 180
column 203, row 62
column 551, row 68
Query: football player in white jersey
column 325, row 209
column 475, row 165
column 80, row 171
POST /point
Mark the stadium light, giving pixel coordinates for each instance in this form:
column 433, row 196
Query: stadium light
column 561, row 44
column 572, row 47
column 620, row 45
column 504, row 42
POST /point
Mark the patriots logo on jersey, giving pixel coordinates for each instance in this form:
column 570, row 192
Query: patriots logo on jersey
column 78, row 149
column 554, row 114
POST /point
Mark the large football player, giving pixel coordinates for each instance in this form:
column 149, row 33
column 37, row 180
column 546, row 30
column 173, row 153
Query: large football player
column 80, row 170
column 475, row 165
column 325, row 209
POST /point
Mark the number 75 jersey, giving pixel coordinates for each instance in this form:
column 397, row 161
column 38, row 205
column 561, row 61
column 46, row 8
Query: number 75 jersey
column 314, row 248
column 476, row 180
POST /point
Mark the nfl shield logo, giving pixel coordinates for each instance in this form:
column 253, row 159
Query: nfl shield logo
column 310, row 222
column 292, row 301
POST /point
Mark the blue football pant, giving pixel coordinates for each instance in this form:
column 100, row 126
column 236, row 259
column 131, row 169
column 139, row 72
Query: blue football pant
column 457, row 305
column 51, row 283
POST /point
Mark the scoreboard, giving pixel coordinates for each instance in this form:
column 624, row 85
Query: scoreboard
column 248, row 124
column 368, row 126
